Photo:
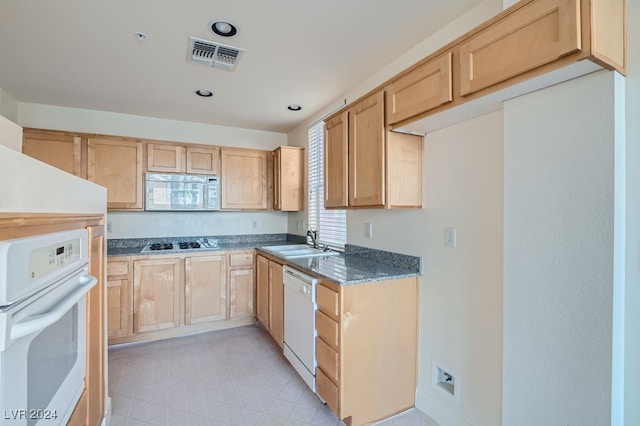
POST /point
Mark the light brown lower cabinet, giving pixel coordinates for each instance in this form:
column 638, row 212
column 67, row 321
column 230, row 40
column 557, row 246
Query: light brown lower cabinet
column 156, row 294
column 378, row 319
column 270, row 294
column 176, row 295
column 119, row 297
column 241, row 291
column 205, row 288
column 262, row 290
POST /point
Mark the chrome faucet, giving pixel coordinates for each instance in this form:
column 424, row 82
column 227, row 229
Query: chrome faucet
column 314, row 238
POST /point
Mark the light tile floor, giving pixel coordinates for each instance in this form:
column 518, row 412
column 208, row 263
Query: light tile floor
column 227, row 377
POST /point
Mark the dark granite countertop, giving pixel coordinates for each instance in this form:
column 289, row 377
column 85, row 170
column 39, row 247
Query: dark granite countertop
column 347, row 269
column 356, row 265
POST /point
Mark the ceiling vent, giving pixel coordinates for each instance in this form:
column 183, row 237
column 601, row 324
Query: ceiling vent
column 215, row 55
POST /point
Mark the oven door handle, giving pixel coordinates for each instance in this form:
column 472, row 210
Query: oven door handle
column 36, row 323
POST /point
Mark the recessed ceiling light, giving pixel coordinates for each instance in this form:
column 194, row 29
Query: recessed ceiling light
column 223, row 28
column 141, row 36
column 204, row 93
column 294, row 107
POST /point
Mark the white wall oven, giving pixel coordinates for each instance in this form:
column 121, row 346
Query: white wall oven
column 44, row 281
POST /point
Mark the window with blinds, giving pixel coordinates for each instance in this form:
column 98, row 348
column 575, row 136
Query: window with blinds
column 330, row 224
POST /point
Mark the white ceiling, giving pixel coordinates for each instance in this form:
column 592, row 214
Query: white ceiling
column 84, row 54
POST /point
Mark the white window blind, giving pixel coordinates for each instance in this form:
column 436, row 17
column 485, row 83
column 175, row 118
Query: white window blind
column 330, row 224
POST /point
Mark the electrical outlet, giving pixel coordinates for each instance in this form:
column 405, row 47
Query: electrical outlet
column 109, row 227
column 300, row 225
column 254, row 224
column 368, row 230
column 450, row 237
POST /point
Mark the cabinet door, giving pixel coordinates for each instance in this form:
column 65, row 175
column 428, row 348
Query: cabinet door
column 165, row 158
column 57, row 150
column 117, row 165
column 262, row 290
column 119, row 298
column 205, row 289
column 336, row 179
column 241, row 291
column 404, row 170
column 425, row 88
column 277, row 184
column 288, row 180
column 532, row 36
column 94, row 379
column 156, row 294
column 119, row 307
column 276, row 302
column 244, row 179
column 203, row 161
column 367, row 152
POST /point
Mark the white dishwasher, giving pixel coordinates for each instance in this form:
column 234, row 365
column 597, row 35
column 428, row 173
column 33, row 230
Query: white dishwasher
column 300, row 323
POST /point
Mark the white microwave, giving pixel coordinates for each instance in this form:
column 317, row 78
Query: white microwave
column 166, row 192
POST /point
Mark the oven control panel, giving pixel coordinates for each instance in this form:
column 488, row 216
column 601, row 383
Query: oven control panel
column 30, row 264
column 48, row 259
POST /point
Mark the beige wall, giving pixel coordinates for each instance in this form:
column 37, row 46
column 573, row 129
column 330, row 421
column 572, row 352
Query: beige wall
column 110, row 123
column 142, row 224
column 461, row 289
column 10, row 134
column 559, row 253
column 8, row 106
column 631, row 295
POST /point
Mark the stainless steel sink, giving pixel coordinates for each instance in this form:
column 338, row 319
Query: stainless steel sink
column 298, row 250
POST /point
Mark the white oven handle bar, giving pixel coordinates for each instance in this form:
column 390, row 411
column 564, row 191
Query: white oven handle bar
column 36, row 323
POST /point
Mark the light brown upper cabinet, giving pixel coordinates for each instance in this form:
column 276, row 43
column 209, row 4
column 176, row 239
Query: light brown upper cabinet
column 526, row 47
column 336, row 149
column 203, row 160
column 170, row 158
column 379, row 164
column 535, row 35
column 61, row 150
column 422, row 89
column 243, row 181
column 366, row 152
column 288, row 178
column 117, row 165
column 165, row 158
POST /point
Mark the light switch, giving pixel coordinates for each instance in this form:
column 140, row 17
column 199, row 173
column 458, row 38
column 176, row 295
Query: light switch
column 450, row 237
column 368, row 230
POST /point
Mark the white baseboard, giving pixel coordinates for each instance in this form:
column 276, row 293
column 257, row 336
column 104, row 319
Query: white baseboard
column 107, row 412
column 437, row 411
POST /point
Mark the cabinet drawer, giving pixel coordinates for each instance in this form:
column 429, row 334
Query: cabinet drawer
column 327, row 301
column 327, row 329
column 327, row 390
column 244, row 259
column 328, row 360
column 117, row 268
